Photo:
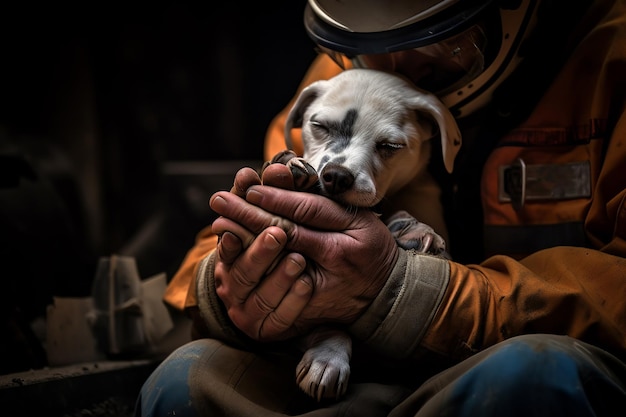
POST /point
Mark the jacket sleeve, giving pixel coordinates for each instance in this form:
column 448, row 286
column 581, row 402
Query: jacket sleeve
column 212, row 319
column 453, row 310
column 180, row 292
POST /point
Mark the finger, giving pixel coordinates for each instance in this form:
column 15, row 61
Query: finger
column 275, row 285
column 251, row 266
column 281, row 322
column 303, row 208
column 279, row 298
column 222, row 225
column 318, row 213
column 244, row 179
column 277, row 301
column 278, row 175
column 247, row 215
column 228, row 247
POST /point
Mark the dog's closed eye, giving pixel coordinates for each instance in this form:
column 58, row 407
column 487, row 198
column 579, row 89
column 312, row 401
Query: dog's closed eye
column 320, row 127
column 387, row 149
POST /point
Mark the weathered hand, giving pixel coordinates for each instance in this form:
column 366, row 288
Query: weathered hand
column 263, row 289
column 350, row 256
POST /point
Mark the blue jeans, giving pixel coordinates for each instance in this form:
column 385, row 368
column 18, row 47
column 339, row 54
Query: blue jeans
column 531, row 375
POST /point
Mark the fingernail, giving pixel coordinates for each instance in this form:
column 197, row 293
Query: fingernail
column 217, row 203
column 253, row 196
column 304, row 286
column 293, row 268
column 271, row 242
column 229, row 240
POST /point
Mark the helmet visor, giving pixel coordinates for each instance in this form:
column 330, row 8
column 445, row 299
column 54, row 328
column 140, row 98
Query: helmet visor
column 439, row 67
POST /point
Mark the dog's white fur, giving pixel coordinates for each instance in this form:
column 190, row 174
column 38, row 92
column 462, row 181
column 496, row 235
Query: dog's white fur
column 371, row 130
column 390, row 145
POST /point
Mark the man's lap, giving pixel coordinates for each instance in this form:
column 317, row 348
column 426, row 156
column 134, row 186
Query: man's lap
column 518, row 376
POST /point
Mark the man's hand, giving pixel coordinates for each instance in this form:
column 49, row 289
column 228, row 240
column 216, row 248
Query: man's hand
column 263, row 289
column 350, row 255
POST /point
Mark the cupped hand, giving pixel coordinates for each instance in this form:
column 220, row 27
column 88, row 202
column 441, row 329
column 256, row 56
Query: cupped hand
column 263, row 288
column 350, row 254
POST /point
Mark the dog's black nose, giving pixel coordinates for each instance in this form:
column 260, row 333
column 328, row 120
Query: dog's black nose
column 336, row 179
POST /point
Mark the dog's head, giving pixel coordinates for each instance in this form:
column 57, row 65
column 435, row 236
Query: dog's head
column 367, row 132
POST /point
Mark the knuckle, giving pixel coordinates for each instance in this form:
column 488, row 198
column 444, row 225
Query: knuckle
column 262, row 305
column 240, row 277
column 278, row 321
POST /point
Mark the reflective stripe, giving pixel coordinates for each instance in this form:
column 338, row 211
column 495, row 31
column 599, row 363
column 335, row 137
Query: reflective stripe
column 521, row 240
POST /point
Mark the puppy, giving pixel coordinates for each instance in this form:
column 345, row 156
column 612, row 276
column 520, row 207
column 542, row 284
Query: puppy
column 367, row 134
column 367, row 143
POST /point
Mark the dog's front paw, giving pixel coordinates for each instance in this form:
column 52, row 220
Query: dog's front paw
column 324, row 370
column 412, row 234
column 283, row 157
column 305, row 177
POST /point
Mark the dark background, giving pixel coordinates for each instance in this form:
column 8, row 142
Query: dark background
column 116, row 125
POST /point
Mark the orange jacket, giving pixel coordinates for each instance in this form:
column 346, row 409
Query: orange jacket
column 577, row 130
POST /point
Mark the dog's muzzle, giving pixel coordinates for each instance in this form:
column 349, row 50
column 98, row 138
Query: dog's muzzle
column 336, row 179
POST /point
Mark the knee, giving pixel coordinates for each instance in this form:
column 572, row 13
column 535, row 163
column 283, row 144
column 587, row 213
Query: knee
column 174, row 369
column 522, row 376
column 166, row 391
column 531, row 363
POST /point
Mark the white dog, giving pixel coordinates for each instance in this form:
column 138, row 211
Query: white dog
column 366, row 137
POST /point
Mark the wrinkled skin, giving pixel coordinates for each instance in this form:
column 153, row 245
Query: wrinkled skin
column 289, row 260
column 408, row 231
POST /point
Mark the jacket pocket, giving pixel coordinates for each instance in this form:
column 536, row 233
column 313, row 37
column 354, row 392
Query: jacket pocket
column 536, row 191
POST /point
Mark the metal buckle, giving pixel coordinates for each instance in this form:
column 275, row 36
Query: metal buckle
column 519, row 183
column 515, row 183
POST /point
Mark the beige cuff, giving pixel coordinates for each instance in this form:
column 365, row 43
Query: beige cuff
column 398, row 318
column 211, row 308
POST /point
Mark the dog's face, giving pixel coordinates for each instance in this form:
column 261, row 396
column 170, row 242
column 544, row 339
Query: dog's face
column 367, row 134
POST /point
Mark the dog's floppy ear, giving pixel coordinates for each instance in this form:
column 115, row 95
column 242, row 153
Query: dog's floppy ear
column 450, row 134
column 296, row 114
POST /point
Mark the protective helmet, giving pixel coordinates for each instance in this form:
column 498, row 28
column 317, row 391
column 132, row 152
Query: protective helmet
column 460, row 50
